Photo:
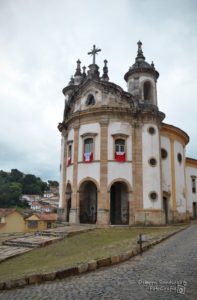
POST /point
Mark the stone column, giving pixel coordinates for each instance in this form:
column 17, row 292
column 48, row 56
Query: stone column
column 137, row 202
column 174, row 210
column 62, row 186
column 74, row 211
column 103, row 206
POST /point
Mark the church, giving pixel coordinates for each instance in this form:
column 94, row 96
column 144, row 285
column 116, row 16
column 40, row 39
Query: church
column 121, row 164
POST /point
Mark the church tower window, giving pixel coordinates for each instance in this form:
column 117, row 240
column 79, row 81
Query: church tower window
column 193, row 185
column 88, row 150
column 90, row 100
column 120, row 150
column 69, row 155
column 147, row 91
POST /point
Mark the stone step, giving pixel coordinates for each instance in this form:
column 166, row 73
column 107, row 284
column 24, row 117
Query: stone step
column 21, row 244
column 52, row 233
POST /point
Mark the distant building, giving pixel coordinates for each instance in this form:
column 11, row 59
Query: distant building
column 11, row 221
column 30, row 198
column 41, row 207
column 120, row 163
column 40, row 221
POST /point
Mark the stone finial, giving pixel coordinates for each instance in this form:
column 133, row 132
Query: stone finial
column 84, row 71
column 105, row 76
column 78, row 69
column 71, row 82
column 140, row 57
column 152, row 65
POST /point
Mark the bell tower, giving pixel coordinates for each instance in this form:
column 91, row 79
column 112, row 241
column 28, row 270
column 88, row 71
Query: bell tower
column 141, row 79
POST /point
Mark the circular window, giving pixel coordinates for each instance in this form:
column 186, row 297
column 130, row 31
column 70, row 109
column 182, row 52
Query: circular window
column 152, row 161
column 153, row 196
column 164, row 153
column 151, row 130
column 179, row 157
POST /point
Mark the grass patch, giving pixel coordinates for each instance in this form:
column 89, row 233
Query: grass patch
column 76, row 250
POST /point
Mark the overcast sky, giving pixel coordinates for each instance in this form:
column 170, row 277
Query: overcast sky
column 40, row 41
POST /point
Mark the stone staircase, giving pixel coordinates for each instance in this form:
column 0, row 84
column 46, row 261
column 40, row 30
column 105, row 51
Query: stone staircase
column 33, row 241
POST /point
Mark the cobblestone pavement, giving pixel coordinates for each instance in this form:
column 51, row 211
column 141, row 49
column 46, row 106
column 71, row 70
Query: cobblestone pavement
column 167, row 271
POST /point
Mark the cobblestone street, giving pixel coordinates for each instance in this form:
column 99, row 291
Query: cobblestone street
column 167, row 271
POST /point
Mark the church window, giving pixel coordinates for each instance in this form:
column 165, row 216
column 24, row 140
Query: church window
column 164, row 153
column 151, row 130
column 153, row 196
column 90, row 100
column 193, row 184
column 88, row 150
column 179, row 157
column 120, row 150
column 69, row 156
column 152, row 161
column 147, row 91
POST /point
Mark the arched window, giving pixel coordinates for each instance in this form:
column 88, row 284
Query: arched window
column 69, row 153
column 90, row 100
column 120, row 150
column 147, row 91
column 88, row 149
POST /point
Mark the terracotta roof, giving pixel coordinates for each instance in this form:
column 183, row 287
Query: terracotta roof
column 6, row 211
column 46, row 216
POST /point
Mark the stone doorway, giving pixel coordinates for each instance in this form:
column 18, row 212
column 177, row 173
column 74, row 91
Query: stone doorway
column 88, row 203
column 68, row 200
column 119, row 205
column 165, row 208
column 194, row 210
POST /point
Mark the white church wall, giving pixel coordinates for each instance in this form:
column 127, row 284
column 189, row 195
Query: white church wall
column 89, row 128
column 119, row 170
column 118, row 128
column 91, row 170
column 71, row 135
column 192, row 197
column 151, row 174
column 166, row 168
column 180, row 177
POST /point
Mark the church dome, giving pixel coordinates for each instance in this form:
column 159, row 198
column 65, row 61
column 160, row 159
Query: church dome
column 141, row 65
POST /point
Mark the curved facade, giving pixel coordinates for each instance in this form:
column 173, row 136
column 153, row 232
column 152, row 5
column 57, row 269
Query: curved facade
column 120, row 164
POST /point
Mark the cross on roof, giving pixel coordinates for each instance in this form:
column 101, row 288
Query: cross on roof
column 93, row 53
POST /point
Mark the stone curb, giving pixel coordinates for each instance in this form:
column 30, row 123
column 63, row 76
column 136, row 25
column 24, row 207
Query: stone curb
column 83, row 268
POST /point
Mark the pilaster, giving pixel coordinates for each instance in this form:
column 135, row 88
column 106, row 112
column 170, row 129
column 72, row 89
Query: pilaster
column 103, row 206
column 137, row 202
column 74, row 211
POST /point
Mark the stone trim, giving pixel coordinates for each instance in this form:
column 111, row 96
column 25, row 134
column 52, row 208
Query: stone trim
column 103, row 199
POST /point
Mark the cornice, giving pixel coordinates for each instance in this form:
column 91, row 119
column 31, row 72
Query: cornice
column 175, row 133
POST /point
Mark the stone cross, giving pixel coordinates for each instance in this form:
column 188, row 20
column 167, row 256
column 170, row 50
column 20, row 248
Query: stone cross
column 93, row 53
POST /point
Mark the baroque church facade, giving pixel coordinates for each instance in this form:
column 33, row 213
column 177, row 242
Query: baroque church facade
column 120, row 163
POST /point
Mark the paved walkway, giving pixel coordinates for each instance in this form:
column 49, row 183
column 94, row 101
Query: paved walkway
column 167, row 271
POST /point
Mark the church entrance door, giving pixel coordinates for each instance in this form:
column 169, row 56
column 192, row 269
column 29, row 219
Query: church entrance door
column 165, row 207
column 88, row 202
column 119, row 205
column 194, row 210
column 68, row 200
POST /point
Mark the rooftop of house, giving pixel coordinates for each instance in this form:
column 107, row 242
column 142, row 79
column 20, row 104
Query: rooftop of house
column 45, row 216
column 6, row 211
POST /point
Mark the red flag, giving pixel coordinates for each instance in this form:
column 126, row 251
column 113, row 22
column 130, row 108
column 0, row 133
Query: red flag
column 68, row 161
column 120, row 156
column 88, row 157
